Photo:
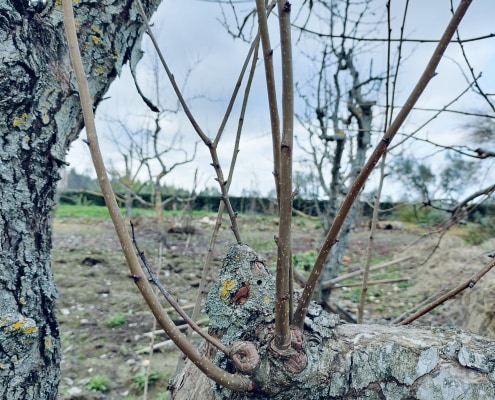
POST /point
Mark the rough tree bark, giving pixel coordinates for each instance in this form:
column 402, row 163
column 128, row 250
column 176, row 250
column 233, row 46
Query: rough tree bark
column 334, row 360
column 40, row 116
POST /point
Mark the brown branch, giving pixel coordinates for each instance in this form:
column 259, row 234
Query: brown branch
column 154, row 279
column 442, row 299
column 284, row 256
column 232, row 381
column 271, row 89
column 331, row 237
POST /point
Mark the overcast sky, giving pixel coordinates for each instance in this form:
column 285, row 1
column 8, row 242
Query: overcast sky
column 191, row 36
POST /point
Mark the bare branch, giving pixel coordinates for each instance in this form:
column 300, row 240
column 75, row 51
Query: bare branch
column 271, row 89
column 284, row 288
column 393, row 40
column 442, row 299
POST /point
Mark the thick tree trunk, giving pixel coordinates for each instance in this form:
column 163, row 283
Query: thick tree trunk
column 335, row 360
column 40, row 116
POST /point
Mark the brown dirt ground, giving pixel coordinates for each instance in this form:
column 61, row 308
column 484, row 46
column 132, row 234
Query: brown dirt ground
column 104, row 321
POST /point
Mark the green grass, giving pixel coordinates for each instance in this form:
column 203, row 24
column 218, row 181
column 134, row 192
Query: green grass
column 67, row 210
column 93, row 211
column 140, row 378
column 98, row 383
column 115, row 320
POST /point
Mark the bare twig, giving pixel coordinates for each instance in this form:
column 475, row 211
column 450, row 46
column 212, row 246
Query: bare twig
column 343, row 277
column 221, row 207
column 331, row 237
column 442, row 299
column 271, row 89
column 154, row 279
column 378, row 282
column 232, row 381
column 206, row 140
column 387, row 39
column 369, row 249
column 152, row 338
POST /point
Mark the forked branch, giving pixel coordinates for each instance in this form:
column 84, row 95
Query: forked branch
column 212, row 145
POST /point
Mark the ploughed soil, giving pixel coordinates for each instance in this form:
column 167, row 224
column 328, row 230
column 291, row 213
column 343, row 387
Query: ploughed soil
column 106, row 326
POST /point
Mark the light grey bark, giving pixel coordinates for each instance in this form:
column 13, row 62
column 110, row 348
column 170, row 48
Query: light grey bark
column 40, row 116
column 360, row 110
column 339, row 361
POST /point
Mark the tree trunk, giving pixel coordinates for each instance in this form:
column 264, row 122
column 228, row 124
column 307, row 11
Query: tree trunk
column 40, row 117
column 335, row 360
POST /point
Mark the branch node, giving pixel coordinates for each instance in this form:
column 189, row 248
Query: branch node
column 244, row 356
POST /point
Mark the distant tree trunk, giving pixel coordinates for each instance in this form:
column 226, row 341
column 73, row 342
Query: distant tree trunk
column 360, row 110
column 40, row 117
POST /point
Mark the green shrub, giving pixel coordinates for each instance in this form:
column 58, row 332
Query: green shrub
column 482, row 229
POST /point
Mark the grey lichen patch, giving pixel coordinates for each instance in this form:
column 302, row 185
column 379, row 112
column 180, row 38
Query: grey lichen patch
column 243, row 296
column 320, row 322
column 17, row 335
column 479, row 360
column 453, row 383
column 378, row 362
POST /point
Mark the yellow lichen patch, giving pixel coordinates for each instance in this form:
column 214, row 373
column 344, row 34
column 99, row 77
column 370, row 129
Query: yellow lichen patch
column 95, row 39
column 97, row 30
column 48, row 342
column 22, row 301
column 227, row 285
column 2, row 366
column 29, row 330
column 18, row 325
column 19, row 120
column 100, row 70
column 27, row 139
column 266, row 299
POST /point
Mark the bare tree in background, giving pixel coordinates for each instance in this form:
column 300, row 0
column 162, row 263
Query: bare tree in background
column 338, row 114
column 150, row 150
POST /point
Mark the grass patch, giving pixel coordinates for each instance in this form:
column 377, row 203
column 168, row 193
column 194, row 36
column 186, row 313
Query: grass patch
column 141, row 377
column 71, row 211
column 94, row 211
column 115, row 320
column 98, row 383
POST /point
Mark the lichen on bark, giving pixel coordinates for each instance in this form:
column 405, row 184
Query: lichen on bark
column 341, row 361
column 41, row 116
